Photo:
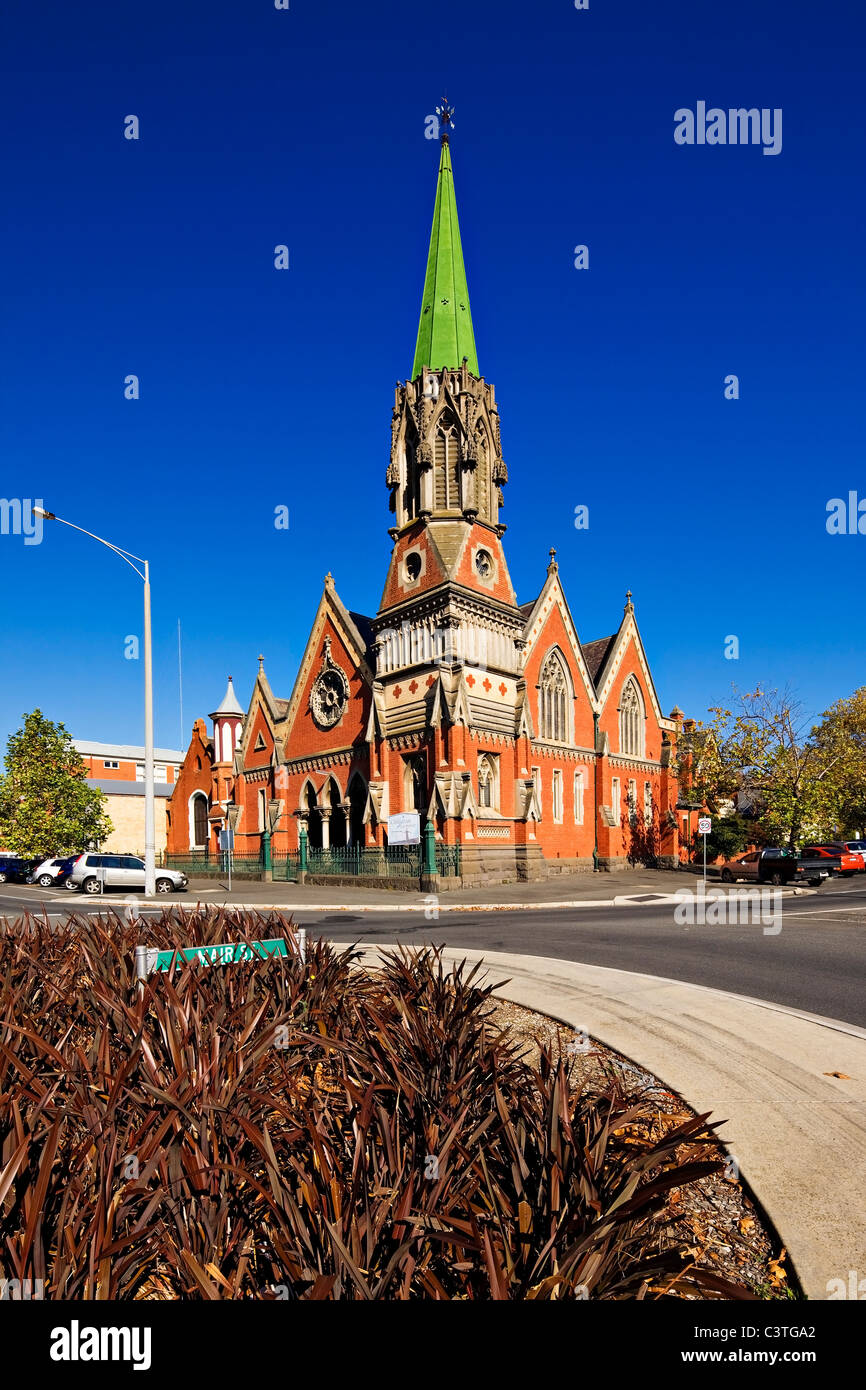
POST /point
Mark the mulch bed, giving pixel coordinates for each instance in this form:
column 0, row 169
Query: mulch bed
column 720, row 1222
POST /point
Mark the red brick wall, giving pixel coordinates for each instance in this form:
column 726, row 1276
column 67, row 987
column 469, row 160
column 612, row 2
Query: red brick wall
column 397, row 591
column 191, row 778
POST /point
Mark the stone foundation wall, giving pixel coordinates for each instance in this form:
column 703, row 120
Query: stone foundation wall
column 501, row 864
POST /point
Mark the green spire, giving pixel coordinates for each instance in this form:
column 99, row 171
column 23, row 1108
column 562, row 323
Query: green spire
column 445, row 334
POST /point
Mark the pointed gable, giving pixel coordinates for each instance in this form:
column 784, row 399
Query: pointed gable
column 549, row 622
column 343, row 640
column 626, row 655
column 259, row 735
column 550, row 628
column 262, row 737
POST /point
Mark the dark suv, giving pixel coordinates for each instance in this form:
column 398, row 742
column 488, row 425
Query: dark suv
column 14, row 869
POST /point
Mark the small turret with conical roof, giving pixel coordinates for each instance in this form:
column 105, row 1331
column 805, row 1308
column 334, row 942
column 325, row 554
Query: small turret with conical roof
column 227, row 719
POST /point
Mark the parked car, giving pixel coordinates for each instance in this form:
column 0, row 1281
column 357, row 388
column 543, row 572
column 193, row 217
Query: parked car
column 844, row 862
column 858, row 856
column 761, row 866
column 14, row 869
column 776, row 866
column 857, row 847
column 121, row 871
column 51, row 873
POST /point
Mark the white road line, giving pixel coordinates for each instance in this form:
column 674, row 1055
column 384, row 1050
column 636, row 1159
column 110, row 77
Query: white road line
column 826, row 912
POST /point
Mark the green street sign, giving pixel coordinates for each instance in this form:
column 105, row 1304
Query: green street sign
column 149, row 959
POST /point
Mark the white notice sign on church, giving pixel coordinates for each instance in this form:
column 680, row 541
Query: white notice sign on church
column 404, row 829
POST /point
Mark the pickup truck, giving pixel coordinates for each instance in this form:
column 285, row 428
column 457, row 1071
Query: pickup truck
column 776, row 866
column 815, row 868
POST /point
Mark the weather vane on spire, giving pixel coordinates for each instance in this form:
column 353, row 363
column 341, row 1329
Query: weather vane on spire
column 446, row 120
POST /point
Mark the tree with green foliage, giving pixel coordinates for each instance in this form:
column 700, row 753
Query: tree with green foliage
column 46, row 806
column 841, row 737
column 765, row 751
column 730, row 836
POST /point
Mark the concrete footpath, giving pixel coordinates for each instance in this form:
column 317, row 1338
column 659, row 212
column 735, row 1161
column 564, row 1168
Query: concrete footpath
column 624, row 889
column 797, row 1129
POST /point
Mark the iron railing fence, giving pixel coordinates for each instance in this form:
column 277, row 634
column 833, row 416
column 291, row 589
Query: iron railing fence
column 203, row 864
column 350, row 861
column 359, row 861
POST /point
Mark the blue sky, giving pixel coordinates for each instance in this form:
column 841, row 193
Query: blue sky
column 262, row 388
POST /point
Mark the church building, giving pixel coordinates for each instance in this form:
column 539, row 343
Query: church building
column 531, row 750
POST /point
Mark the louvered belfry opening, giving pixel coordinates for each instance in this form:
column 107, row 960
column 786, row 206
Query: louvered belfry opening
column 447, row 469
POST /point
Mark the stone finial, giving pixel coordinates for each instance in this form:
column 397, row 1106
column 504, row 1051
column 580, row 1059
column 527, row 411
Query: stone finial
column 261, row 664
column 553, row 566
column 329, row 582
column 628, row 602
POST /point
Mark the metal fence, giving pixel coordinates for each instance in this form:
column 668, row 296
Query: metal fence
column 285, row 867
column 349, row 861
column 448, row 860
column 358, row 861
column 201, row 864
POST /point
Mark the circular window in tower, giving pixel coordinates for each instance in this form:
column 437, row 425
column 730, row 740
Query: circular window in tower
column 484, row 563
column 413, row 565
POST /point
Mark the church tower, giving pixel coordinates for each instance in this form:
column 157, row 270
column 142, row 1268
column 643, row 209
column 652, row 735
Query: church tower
column 448, row 595
column 449, row 633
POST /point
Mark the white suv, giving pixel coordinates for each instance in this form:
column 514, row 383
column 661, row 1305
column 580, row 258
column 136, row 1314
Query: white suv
column 120, row 871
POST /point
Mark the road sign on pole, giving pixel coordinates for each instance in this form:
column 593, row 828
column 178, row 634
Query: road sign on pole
column 227, row 844
column 705, row 825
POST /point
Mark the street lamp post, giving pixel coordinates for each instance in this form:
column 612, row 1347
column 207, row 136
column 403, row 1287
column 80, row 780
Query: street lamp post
column 149, row 803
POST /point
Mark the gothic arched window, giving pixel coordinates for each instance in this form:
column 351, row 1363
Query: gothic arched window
column 488, row 794
column 415, row 783
column 199, row 820
column 446, row 468
column 482, row 473
column 631, row 720
column 411, row 500
column 554, row 700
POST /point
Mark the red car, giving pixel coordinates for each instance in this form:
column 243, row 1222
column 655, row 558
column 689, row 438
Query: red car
column 850, row 862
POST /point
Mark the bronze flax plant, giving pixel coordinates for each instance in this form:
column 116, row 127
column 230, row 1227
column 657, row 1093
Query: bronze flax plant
column 308, row 1130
